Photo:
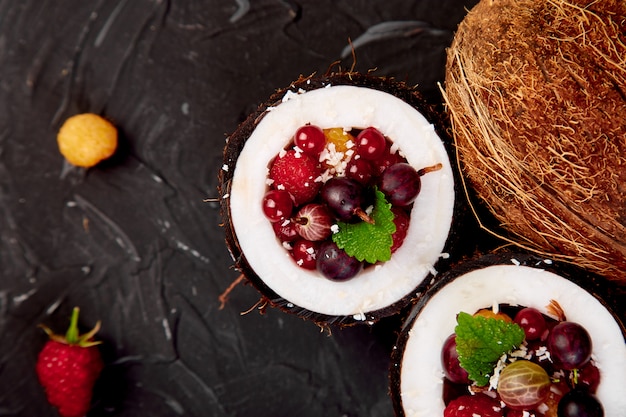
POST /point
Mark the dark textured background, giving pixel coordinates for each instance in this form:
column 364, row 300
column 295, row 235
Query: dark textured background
column 133, row 241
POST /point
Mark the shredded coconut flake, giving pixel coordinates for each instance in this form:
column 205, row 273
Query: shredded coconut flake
column 335, row 160
column 521, row 353
column 291, row 94
column 543, row 354
column 359, row 317
column 433, row 271
column 493, row 380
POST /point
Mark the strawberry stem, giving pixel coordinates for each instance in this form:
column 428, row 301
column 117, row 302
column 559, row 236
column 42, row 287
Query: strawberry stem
column 72, row 332
column 73, row 336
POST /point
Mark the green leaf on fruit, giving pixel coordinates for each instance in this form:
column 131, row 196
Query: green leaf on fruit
column 366, row 241
column 481, row 341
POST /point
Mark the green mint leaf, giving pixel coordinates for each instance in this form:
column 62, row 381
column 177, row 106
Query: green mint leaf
column 365, row 241
column 481, row 341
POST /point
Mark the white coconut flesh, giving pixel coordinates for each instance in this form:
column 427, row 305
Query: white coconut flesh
column 421, row 378
column 346, row 107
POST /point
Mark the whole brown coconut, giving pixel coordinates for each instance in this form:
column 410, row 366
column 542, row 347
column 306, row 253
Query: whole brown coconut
column 536, row 90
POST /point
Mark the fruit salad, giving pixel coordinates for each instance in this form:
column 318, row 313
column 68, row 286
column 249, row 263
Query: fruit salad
column 304, row 197
column 340, row 199
column 514, row 361
column 510, row 336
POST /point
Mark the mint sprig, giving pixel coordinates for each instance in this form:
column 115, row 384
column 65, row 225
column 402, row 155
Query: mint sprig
column 370, row 242
column 481, row 341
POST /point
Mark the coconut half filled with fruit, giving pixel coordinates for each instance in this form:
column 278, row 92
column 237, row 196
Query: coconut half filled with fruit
column 510, row 336
column 338, row 197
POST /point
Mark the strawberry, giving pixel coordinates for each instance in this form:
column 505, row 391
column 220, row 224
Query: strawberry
column 298, row 173
column 68, row 367
column 477, row 405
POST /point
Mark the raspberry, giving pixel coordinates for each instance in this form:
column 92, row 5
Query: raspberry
column 473, row 406
column 401, row 220
column 68, row 367
column 296, row 173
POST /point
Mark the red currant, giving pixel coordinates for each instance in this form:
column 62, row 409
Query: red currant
column 450, row 360
column 371, row 144
column 532, row 321
column 588, row 377
column 285, row 230
column 277, row 205
column 310, row 139
column 389, row 158
column 304, row 252
column 360, row 170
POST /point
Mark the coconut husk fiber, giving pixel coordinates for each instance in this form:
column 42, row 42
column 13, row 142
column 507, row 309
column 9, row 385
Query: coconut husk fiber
column 536, row 91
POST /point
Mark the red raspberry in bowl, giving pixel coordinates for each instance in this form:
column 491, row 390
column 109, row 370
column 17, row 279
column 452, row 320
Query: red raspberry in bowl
column 298, row 173
column 472, row 406
column 401, row 220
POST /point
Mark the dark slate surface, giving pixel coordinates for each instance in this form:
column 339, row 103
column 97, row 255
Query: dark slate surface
column 133, row 241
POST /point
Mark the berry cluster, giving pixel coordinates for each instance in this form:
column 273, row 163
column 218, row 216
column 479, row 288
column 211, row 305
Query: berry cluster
column 552, row 374
column 327, row 176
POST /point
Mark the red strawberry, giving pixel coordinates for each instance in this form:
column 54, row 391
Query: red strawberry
column 296, row 172
column 478, row 405
column 68, row 367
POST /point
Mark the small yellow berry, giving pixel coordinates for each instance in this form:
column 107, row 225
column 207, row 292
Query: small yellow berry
column 340, row 138
column 86, row 139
